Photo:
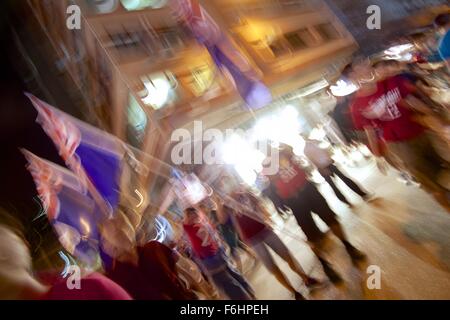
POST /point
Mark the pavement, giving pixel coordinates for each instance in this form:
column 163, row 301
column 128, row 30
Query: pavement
column 404, row 233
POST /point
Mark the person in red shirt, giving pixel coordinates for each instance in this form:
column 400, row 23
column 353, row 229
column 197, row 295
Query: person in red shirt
column 147, row 271
column 19, row 283
column 298, row 193
column 385, row 111
column 249, row 216
column 207, row 249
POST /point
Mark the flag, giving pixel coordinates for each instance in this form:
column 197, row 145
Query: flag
column 71, row 209
column 92, row 154
column 224, row 53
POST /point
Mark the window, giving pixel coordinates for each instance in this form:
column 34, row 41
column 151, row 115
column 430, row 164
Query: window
column 202, row 79
column 278, row 48
column 160, row 89
column 295, row 41
column 103, row 6
column 327, row 31
column 132, row 5
column 137, row 123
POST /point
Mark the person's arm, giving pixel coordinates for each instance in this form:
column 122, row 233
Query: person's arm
column 373, row 140
column 222, row 216
column 417, row 104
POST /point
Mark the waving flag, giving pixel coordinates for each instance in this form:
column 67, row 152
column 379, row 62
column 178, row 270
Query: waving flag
column 92, row 154
column 70, row 207
column 224, row 53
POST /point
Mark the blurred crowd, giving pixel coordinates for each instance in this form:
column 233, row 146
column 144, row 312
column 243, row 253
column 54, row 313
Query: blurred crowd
column 399, row 109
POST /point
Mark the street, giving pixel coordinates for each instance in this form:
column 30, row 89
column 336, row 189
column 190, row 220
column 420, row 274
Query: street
column 404, row 233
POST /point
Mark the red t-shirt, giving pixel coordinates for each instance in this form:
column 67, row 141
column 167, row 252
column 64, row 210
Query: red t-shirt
column 385, row 109
column 153, row 278
column 249, row 227
column 92, row 287
column 290, row 179
column 201, row 237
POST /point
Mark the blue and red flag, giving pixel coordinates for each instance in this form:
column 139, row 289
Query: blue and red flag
column 70, row 208
column 224, row 52
column 92, row 154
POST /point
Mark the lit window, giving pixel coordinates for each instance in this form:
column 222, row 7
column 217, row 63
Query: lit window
column 295, row 41
column 104, row 6
column 278, row 48
column 132, row 5
column 160, row 89
column 327, row 31
column 137, row 123
column 202, row 79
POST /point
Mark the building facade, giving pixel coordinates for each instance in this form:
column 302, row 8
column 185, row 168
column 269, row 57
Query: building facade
column 140, row 74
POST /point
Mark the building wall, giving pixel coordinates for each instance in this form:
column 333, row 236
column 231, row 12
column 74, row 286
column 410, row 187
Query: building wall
column 398, row 17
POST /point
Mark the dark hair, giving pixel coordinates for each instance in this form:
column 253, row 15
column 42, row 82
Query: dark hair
column 190, row 210
column 442, row 20
column 385, row 63
column 417, row 36
column 8, row 220
column 347, row 70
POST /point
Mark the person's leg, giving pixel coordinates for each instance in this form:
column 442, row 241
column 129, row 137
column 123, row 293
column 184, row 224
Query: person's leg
column 301, row 208
column 349, row 182
column 242, row 281
column 220, row 273
column 274, row 242
column 323, row 210
column 264, row 255
column 336, row 190
column 410, row 152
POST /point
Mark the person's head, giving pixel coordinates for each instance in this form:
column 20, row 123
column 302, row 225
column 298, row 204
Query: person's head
column 16, row 279
column 228, row 184
column 118, row 237
column 419, row 40
column 386, row 68
column 442, row 23
column 191, row 215
column 363, row 72
column 348, row 73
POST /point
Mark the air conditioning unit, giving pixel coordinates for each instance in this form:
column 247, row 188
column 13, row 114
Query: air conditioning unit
column 103, row 6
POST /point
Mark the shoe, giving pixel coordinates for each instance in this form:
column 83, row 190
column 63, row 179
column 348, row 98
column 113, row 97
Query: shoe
column 333, row 275
column 299, row 296
column 354, row 253
column 312, row 283
column 369, row 197
column 330, row 272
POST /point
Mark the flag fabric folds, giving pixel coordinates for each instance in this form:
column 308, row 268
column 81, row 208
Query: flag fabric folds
column 92, row 154
column 224, row 52
column 71, row 210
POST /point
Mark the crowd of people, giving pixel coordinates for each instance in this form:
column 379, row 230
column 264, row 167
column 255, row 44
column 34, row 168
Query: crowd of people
column 394, row 112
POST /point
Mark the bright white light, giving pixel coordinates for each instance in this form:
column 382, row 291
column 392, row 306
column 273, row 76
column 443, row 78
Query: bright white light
column 343, row 88
column 395, row 50
column 246, row 159
column 161, row 226
column 196, row 192
column 283, row 127
column 86, row 226
column 317, row 134
column 400, row 57
column 158, row 92
column 141, row 198
column 247, row 175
